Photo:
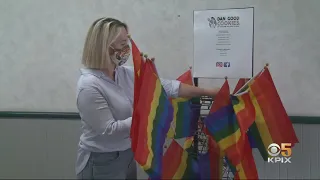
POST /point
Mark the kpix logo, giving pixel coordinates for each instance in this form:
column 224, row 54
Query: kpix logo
column 274, row 150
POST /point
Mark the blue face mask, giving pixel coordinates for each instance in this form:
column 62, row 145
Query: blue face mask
column 121, row 56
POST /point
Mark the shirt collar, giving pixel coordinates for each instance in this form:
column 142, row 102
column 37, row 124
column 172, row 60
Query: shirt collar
column 94, row 72
column 98, row 73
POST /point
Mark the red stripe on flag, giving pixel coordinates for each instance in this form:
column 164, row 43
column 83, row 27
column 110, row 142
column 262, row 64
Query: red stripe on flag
column 171, row 160
column 144, row 108
column 247, row 169
column 240, row 84
column 137, row 62
column 215, row 158
column 247, row 115
column 279, row 124
column 186, row 78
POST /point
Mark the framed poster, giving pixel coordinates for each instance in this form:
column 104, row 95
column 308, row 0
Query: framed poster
column 223, row 43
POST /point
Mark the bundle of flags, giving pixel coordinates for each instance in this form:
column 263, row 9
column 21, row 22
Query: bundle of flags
column 152, row 115
column 257, row 109
column 155, row 113
column 250, row 117
column 272, row 124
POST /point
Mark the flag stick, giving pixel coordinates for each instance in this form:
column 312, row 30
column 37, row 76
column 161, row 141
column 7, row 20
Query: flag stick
column 266, row 66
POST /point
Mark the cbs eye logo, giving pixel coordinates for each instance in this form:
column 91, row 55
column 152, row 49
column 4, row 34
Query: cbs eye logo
column 274, row 149
column 285, row 149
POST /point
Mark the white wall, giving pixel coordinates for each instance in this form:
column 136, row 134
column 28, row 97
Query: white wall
column 41, row 44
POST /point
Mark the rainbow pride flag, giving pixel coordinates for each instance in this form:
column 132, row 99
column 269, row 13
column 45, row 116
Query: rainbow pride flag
column 272, row 124
column 156, row 113
column 185, row 114
column 211, row 162
column 246, row 169
column 225, row 130
column 178, row 164
column 138, row 63
column 215, row 153
column 244, row 110
column 182, row 114
column 240, row 84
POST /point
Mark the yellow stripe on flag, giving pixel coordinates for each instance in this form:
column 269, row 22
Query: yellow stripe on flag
column 260, row 122
column 230, row 140
column 188, row 143
column 240, row 106
column 151, row 117
column 240, row 171
column 182, row 167
column 172, row 129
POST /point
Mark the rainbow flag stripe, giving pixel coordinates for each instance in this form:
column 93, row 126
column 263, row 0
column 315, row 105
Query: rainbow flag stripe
column 182, row 166
column 186, row 113
column 246, row 169
column 182, row 117
column 211, row 163
column 138, row 71
column 223, row 126
column 259, row 129
column 156, row 113
column 188, row 143
column 178, row 164
column 244, row 110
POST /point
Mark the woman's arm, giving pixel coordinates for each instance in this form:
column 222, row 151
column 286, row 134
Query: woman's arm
column 95, row 111
column 175, row 88
column 189, row 91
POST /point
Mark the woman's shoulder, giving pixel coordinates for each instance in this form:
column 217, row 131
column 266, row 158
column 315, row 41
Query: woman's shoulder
column 89, row 78
column 128, row 69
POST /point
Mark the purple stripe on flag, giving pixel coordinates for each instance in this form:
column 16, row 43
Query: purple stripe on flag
column 251, row 140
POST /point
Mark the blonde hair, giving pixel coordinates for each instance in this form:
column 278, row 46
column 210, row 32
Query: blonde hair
column 100, row 36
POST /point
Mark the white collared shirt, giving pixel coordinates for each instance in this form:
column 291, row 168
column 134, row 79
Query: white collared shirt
column 105, row 107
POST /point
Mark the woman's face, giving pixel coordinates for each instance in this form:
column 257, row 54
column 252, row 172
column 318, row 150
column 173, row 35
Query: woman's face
column 120, row 49
column 121, row 41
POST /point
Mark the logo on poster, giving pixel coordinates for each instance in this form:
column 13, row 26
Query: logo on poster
column 224, row 21
column 219, row 64
column 212, row 22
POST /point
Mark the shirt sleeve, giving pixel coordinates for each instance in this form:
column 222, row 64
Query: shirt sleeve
column 170, row 86
column 95, row 111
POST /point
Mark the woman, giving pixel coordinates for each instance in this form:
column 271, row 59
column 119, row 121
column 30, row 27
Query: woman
column 105, row 103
